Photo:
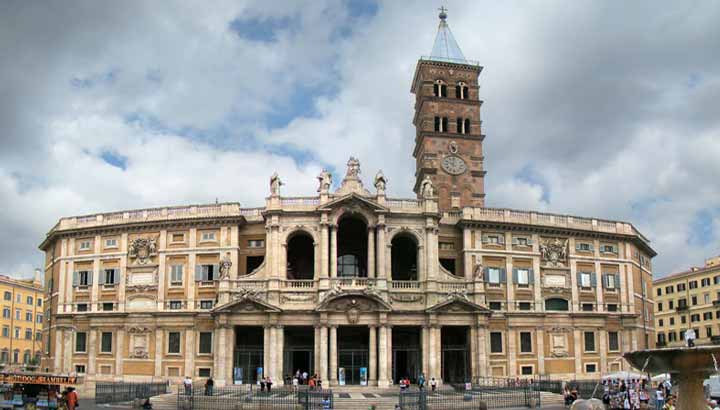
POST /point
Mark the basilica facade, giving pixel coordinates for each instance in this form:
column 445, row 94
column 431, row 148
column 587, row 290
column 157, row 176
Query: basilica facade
column 349, row 283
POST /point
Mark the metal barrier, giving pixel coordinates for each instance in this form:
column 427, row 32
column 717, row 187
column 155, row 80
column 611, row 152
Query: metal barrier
column 479, row 397
column 113, row 392
column 249, row 397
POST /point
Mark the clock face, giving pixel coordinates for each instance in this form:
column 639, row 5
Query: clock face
column 454, row 165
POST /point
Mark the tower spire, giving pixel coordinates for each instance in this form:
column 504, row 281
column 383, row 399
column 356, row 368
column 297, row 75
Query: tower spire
column 445, row 47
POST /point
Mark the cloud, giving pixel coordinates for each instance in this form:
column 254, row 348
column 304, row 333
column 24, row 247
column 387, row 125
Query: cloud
column 595, row 109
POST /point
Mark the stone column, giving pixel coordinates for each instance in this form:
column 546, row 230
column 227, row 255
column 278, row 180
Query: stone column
column 316, row 352
column 474, row 355
column 280, row 351
column 324, row 374
column 381, row 248
column 371, row 253
column 158, row 352
column 373, row 354
column 512, row 352
column 333, row 251
column 603, row 335
column 382, row 353
column 219, row 354
column 229, row 361
column 574, row 306
column 120, row 352
column 92, row 352
column 510, row 284
column 190, row 352
column 467, row 255
column 577, row 335
column 324, row 239
column 389, row 352
column 540, row 343
column 271, row 368
column 333, row 355
column 266, row 349
column 435, row 352
column 600, row 284
column 482, row 352
column 425, row 351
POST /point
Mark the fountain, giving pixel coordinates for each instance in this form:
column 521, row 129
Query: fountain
column 688, row 366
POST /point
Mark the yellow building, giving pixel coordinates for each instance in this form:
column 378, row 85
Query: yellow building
column 22, row 320
column 689, row 299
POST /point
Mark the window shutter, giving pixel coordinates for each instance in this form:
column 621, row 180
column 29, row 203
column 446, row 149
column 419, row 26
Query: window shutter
column 531, row 276
column 216, row 271
column 116, row 276
column 579, row 279
column 501, row 239
column 198, row 273
column 75, row 279
column 593, row 279
column 617, row 281
column 486, row 274
column 503, row 275
column 90, row 277
column 515, row 275
column 591, row 246
column 514, row 240
column 604, row 278
column 101, row 278
column 529, row 241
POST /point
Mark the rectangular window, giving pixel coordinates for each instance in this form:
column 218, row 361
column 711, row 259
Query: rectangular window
column 683, row 319
column 716, row 280
column 107, row 306
column 83, row 278
column 671, row 304
column 707, row 316
column 29, row 300
column 693, row 284
column 706, row 298
column 587, row 307
column 85, row 245
column 523, row 277
column 18, row 298
column 6, row 313
column 111, row 243
column 38, row 336
column 208, row 236
column 494, row 275
column 590, row 367
column 174, row 343
column 608, row 249
column 613, row 341
column 585, row 280
column 612, row 307
column 6, row 331
column 680, row 287
column 80, row 342
column 708, row 331
column 178, row 237
column 521, row 241
column 526, row 370
column 660, row 323
column 694, row 300
column 525, row 342
column 705, row 282
column 524, row 306
column 659, row 291
column 204, row 372
column 110, row 276
column 496, row 343
column 584, row 247
column 610, row 281
column 17, row 333
column 589, row 341
column 495, row 305
column 205, row 343
column 80, row 368
column 206, row 274
column 669, row 289
column 28, row 316
column 175, row 305
column 206, row 304
column 39, row 302
column 106, row 342
column 39, row 318
column 17, row 314
column 7, row 296
column 176, row 275
column 82, row 307
column 256, row 243
column 659, row 306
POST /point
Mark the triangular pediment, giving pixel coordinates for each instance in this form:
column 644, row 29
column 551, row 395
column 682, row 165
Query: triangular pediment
column 458, row 305
column 246, row 304
column 351, row 200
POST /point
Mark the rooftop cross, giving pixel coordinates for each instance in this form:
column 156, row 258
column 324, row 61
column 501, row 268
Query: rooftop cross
column 443, row 12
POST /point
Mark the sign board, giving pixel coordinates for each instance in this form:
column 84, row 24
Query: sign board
column 37, row 379
column 341, row 376
column 555, row 281
column 259, row 373
column 363, row 376
column 238, row 375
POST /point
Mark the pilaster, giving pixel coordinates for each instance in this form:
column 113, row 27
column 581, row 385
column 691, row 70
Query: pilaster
column 577, row 343
column 162, row 269
column 373, row 354
column 371, row 252
column 192, row 262
column 92, row 352
column 333, row 354
column 333, row 251
column 600, row 283
column 324, row 245
column 512, row 352
column 382, row 353
column 123, row 271
column 482, row 342
column 381, row 249
column 540, row 343
column 120, row 351
column 574, row 307
column 190, row 352
column 603, row 336
column 158, row 352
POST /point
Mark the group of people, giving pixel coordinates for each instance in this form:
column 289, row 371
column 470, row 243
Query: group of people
column 405, row 383
column 313, row 382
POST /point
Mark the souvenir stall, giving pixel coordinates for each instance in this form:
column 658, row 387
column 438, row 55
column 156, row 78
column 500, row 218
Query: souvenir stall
column 33, row 391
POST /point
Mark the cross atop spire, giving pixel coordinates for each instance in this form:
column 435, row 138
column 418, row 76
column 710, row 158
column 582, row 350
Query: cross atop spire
column 445, row 47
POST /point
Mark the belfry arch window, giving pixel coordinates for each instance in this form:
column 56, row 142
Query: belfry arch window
column 352, row 247
column 441, row 124
column 300, row 257
column 404, row 257
column 556, row 304
column 440, row 88
column 461, row 91
column 462, row 126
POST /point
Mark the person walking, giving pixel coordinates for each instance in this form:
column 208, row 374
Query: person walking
column 71, row 398
column 421, row 381
column 268, row 384
column 187, row 382
column 659, row 397
column 209, row 385
column 433, row 384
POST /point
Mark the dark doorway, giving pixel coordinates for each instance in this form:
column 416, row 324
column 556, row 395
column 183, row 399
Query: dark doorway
column 300, row 257
column 352, row 247
column 248, row 353
column 404, row 258
column 407, row 353
column 455, row 354
column 353, row 351
column 299, row 350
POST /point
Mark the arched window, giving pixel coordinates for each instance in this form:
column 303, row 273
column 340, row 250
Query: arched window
column 440, row 88
column 441, row 124
column 16, row 355
column 26, row 357
column 461, row 91
column 556, row 304
column 466, row 127
column 4, row 356
column 404, row 255
column 300, row 257
column 352, row 247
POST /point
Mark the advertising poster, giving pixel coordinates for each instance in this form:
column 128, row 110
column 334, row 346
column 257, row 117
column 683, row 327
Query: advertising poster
column 237, row 375
column 259, row 373
column 363, row 376
column 341, row 376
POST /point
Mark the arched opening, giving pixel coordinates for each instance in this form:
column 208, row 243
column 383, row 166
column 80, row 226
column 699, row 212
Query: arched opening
column 466, row 126
column 352, row 248
column 556, row 304
column 404, row 252
column 440, row 89
column 300, row 257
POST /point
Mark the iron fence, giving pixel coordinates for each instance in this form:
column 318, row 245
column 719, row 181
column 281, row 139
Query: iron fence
column 477, row 398
column 113, row 392
column 249, row 397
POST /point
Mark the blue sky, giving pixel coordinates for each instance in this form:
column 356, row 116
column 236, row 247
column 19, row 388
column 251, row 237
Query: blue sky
column 593, row 109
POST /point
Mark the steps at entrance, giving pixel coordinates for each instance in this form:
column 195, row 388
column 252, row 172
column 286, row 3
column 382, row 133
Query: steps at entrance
column 164, row 402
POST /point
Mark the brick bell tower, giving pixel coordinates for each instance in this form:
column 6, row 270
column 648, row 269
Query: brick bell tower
column 448, row 138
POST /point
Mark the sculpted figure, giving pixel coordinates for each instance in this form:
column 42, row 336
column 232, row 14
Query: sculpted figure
column 478, row 271
column 380, row 182
column 353, row 167
column 275, row 184
column 225, row 265
column 325, row 180
column 426, row 188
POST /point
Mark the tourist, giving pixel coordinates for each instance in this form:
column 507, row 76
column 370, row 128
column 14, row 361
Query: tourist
column 670, row 404
column 567, row 396
column 326, row 404
column 421, row 381
column 209, row 384
column 659, row 397
column 295, row 382
column 311, row 383
column 188, row 385
column 147, row 405
column 433, row 384
column 72, row 399
column 262, row 384
column 690, row 337
column 714, row 405
column 268, row 384
column 305, row 377
column 318, row 383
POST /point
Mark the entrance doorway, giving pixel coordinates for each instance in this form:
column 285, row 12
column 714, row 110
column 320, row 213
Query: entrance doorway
column 353, row 352
column 299, row 350
column 406, row 353
column 248, row 353
column 455, row 354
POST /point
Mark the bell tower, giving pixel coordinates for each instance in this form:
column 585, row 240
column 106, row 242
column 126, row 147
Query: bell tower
column 448, row 137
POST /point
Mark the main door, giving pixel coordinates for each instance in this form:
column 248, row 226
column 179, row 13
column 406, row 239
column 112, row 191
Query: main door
column 352, row 361
column 299, row 350
column 248, row 353
column 353, row 352
column 407, row 353
column 455, row 354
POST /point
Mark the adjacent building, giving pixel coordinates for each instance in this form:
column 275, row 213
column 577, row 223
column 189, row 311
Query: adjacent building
column 689, row 299
column 22, row 321
column 349, row 283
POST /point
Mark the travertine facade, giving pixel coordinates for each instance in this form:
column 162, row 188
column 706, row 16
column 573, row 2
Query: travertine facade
column 689, row 299
column 349, row 282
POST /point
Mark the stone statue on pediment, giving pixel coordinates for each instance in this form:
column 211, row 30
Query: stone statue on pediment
column 380, row 182
column 353, row 168
column 325, row 180
column 478, row 271
column 225, row 265
column 275, row 184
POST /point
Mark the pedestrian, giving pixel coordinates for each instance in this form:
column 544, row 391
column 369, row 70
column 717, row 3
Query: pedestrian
column 209, row 385
column 690, row 337
column 659, row 397
column 71, row 398
column 187, row 382
column 262, row 385
column 268, row 384
column 433, row 384
column 295, row 383
column 318, row 383
column 305, row 377
column 421, row 381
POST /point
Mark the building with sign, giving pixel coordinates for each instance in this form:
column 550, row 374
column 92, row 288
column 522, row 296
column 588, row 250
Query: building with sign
column 21, row 321
column 350, row 283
